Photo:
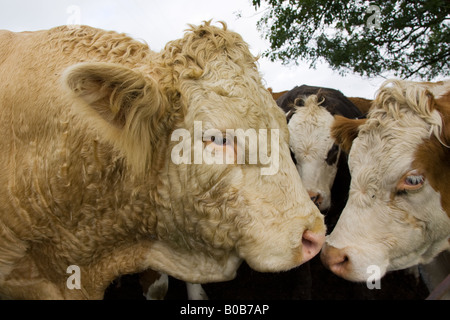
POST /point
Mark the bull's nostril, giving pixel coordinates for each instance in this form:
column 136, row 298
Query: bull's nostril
column 307, row 243
column 311, row 244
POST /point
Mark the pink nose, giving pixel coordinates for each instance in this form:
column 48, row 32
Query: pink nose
column 311, row 244
column 336, row 260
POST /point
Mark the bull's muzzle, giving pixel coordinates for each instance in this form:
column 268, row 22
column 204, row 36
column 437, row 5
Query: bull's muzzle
column 311, row 244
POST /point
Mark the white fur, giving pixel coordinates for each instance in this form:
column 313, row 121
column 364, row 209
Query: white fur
column 310, row 141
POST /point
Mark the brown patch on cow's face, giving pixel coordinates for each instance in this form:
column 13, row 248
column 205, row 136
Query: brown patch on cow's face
column 433, row 158
column 443, row 106
column 345, row 130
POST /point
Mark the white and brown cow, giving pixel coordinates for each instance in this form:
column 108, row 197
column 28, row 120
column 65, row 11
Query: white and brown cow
column 310, row 114
column 397, row 214
column 89, row 179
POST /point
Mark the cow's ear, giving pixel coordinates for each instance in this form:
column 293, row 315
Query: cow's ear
column 123, row 105
column 442, row 104
column 345, row 130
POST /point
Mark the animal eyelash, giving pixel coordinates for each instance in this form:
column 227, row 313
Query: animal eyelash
column 410, row 182
column 414, row 180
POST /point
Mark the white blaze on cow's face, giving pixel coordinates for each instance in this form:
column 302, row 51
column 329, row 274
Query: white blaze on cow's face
column 394, row 217
column 314, row 149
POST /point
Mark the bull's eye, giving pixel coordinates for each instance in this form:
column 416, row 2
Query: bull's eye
column 219, row 148
column 411, row 181
column 414, row 180
column 219, row 142
column 333, row 155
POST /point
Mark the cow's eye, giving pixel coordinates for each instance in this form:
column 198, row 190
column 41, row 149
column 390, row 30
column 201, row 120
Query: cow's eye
column 219, row 141
column 413, row 180
column 333, row 155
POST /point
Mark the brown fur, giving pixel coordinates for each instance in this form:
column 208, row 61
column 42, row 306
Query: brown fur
column 345, row 130
column 276, row 95
column 434, row 158
column 86, row 117
column 361, row 103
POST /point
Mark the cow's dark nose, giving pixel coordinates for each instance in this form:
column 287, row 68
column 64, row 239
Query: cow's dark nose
column 316, row 198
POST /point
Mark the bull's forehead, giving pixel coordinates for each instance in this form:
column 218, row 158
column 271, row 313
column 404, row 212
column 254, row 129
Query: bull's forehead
column 382, row 153
column 229, row 105
column 229, row 94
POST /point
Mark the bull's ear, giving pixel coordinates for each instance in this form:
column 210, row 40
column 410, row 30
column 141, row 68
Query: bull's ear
column 345, row 130
column 123, row 105
column 442, row 104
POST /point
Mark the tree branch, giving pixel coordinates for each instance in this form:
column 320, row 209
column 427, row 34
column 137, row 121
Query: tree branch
column 428, row 63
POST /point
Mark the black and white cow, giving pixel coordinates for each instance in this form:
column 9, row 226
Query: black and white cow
column 310, row 113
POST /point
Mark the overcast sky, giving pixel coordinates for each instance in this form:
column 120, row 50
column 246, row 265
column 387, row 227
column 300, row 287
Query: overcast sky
column 159, row 21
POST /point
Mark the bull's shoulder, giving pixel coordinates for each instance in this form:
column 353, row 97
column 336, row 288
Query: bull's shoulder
column 5, row 37
column 75, row 44
column 89, row 43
